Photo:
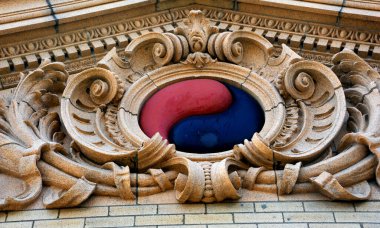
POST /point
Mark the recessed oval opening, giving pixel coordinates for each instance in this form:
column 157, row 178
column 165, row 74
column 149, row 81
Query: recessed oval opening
column 202, row 115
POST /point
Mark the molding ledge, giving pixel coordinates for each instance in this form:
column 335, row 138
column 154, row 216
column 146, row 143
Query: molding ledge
column 81, row 48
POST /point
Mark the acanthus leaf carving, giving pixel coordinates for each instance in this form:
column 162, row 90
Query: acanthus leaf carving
column 199, row 59
column 197, row 31
column 28, row 130
column 361, row 86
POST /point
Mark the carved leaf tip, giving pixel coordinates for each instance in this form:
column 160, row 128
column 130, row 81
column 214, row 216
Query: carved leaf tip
column 197, row 30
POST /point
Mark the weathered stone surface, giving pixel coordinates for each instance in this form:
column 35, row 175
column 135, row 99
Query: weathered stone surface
column 80, row 133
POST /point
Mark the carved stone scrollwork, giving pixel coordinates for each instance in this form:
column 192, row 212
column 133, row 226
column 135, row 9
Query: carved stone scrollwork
column 79, row 135
column 288, row 179
column 251, row 176
column 161, row 179
column 257, row 152
column 330, row 187
column 122, row 180
column 31, row 176
column 224, row 182
column 321, row 107
column 190, row 182
column 74, row 196
column 154, row 151
column 241, row 47
column 81, row 108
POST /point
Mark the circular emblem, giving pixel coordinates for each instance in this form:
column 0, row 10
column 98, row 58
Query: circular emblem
column 202, row 115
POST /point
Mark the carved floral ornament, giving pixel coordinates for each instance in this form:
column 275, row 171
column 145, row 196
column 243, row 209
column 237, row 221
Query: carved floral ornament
column 80, row 134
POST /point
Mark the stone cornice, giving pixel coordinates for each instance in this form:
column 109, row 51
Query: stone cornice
column 335, row 12
column 37, row 15
column 80, row 48
column 359, row 4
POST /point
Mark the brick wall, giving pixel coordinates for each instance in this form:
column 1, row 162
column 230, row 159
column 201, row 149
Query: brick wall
column 311, row 214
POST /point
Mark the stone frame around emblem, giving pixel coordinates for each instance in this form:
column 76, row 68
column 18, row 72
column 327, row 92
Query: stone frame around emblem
column 261, row 90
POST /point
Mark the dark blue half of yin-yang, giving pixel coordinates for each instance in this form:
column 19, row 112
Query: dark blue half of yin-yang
column 219, row 132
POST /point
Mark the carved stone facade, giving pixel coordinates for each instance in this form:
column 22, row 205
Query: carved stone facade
column 69, row 136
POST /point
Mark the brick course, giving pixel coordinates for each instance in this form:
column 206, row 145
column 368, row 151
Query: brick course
column 295, row 214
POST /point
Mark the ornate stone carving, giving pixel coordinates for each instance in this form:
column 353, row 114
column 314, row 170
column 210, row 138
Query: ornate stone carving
column 24, row 55
column 197, row 31
column 80, row 134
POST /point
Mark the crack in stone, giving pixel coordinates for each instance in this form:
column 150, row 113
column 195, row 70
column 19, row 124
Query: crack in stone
column 246, row 78
column 71, row 102
column 133, row 114
column 328, row 100
column 268, row 110
column 340, row 86
column 369, row 92
column 151, row 80
column 30, row 106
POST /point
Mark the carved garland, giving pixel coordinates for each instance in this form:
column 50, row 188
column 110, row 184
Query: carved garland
column 80, row 133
